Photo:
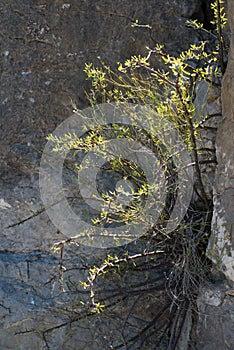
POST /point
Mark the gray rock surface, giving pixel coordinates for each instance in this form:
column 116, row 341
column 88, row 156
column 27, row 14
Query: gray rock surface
column 44, row 47
column 215, row 322
column 221, row 247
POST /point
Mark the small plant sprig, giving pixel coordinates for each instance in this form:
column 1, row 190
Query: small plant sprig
column 219, row 22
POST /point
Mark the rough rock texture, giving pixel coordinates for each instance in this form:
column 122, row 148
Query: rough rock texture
column 215, row 322
column 43, row 52
column 215, row 319
column 222, row 244
column 208, row 105
column 44, row 46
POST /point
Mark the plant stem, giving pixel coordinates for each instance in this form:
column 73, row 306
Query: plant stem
column 220, row 38
column 194, row 146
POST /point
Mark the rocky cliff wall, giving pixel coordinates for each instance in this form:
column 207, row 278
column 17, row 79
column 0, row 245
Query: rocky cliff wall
column 43, row 51
column 216, row 302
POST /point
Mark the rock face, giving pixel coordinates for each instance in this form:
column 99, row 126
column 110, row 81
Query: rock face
column 222, row 242
column 43, row 52
column 216, row 301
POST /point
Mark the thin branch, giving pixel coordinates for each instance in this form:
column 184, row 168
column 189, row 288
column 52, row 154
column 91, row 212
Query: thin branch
column 220, row 38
